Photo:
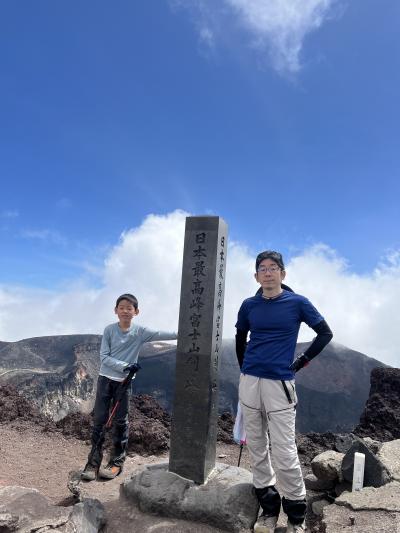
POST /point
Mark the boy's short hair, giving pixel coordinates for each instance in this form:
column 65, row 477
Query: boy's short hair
column 131, row 299
column 270, row 254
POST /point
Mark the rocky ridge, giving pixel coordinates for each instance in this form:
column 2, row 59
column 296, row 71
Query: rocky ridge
column 59, row 375
column 381, row 417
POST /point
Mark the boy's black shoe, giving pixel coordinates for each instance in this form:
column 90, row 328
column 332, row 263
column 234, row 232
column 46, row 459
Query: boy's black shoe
column 110, row 471
column 89, row 473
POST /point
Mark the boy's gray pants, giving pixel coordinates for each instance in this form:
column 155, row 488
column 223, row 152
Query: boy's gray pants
column 267, row 409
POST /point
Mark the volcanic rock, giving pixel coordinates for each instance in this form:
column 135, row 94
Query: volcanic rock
column 25, row 510
column 327, row 465
column 227, row 500
column 376, row 473
column 14, row 405
column 381, row 417
column 313, row 483
column 310, row 445
column 389, row 455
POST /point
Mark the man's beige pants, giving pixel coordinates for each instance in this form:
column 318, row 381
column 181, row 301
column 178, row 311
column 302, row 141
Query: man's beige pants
column 267, row 409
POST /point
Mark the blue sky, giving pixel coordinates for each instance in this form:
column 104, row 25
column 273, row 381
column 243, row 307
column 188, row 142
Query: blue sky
column 283, row 119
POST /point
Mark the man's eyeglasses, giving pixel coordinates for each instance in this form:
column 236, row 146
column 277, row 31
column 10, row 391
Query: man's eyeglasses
column 271, row 269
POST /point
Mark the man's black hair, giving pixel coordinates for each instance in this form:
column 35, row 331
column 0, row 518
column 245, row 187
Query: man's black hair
column 270, row 254
column 131, row 299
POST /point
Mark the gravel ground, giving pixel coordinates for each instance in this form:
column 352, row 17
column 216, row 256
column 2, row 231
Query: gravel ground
column 41, row 458
column 31, row 457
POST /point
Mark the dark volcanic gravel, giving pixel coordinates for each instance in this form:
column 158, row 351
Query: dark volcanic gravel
column 149, row 426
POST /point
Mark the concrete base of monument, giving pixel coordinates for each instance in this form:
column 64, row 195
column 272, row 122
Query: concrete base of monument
column 226, row 501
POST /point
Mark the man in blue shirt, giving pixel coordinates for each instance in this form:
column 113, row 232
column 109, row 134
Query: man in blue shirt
column 267, row 389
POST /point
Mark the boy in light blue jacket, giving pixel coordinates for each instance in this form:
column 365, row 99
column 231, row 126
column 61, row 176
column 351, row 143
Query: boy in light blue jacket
column 119, row 350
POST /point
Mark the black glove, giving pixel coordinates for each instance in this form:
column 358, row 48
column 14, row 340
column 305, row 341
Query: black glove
column 132, row 368
column 299, row 363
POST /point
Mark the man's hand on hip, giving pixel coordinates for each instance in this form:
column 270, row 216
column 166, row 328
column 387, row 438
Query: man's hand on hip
column 299, row 363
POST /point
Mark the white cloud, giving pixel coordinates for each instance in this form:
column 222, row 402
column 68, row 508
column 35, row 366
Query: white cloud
column 281, row 26
column 277, row 28
column 45, row 235
column 207, row 36
column 361, row 309
column 147, row 260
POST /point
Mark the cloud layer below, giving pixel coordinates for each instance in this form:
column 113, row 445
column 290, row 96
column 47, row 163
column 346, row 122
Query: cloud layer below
column 361, row 310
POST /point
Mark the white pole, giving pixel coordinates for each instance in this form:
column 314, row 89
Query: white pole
column 358, row 471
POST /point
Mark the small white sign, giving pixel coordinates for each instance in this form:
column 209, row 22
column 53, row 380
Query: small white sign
column 358, row 471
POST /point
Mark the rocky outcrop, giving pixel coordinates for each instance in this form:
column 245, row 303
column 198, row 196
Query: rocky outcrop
column 381, row 417
column 375, row 474
column 14, row 405
column 311, row 444
column 57, row 373
column 374, row 508
column 26, row 511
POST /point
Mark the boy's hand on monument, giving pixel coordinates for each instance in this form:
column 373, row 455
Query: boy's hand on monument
column 299, row 363
column 132, row 368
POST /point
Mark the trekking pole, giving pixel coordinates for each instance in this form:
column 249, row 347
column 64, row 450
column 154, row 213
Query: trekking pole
column 132, row 369
column 240, row 453
column 73, row 484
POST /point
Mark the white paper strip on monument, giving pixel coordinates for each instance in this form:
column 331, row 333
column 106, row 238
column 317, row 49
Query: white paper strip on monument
column 239, row 433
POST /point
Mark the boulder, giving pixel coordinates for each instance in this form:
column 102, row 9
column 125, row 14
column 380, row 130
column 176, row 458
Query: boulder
column 373, row 445
column 337, row 519
column 370, row 510
column 227, row 500
column 342, row 486
column 385, row 498
column 313, row 483
column 8, row 522
column 26, row 510
column 318, row 507
column 313, row 496
column 327, row 465
column 376, row 473
column 87, row 516
column 389, row 455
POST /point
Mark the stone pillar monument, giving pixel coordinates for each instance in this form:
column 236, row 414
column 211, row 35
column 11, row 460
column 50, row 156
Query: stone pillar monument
column 194, row 425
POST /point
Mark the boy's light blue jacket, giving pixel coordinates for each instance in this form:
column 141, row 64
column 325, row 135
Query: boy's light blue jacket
column 120, row 349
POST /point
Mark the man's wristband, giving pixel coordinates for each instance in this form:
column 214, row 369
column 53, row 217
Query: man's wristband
column 300, row 362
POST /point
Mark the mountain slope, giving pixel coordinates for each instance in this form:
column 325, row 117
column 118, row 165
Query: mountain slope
column 59, row 374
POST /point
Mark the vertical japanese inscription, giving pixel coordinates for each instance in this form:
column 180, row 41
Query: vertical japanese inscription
column 219, row 298
column 194, row 421
column 199, row 274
